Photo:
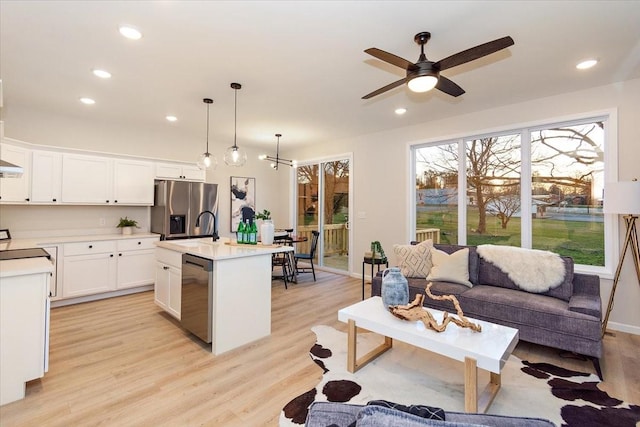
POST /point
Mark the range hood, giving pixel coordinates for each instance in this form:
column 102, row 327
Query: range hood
column 9, row 170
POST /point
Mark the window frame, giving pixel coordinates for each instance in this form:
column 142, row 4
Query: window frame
column 611, row 222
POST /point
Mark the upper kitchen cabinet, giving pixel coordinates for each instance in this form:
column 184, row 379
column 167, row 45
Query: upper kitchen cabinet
column 103, row 180
column 46, row 179
column 179, row 171
column 15, row 189
column 132, row 182
column 86, row 179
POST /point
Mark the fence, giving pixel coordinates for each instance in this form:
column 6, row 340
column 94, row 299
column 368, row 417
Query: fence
column 428, row 233
column 336, row 239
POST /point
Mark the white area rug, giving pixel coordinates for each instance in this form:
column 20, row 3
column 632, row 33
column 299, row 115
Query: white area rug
column 408, row 375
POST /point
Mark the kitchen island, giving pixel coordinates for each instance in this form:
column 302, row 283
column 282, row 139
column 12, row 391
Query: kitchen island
column 24, row 324
column 241, row 287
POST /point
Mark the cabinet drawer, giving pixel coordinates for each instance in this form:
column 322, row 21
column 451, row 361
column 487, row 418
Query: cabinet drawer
column 169, row 257
column 135, row 244
column 85, row 248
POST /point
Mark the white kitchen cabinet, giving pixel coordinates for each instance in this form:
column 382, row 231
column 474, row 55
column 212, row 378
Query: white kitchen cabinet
column 16, row 190
column 179, row 171
column 132, row 182
column 89, row 268
column 107, row 265
column 86, row 179
column 46, row 177
column 102, row 180
column 136, row 262
column 168, row 287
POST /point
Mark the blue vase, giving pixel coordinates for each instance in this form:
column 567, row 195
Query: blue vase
column 395, row 288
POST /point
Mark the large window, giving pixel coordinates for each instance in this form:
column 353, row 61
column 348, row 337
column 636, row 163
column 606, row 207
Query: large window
column 533, row 187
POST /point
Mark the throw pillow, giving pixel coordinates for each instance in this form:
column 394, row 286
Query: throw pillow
column 414, row 260
column 450, row 268
column 422, row 411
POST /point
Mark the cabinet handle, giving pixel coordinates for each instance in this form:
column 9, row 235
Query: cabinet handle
column 27, row 199
column 55, row 200
column 90, row 246
column 107, row 201
column 111, row 256
column 165, row 268
column 119, row 254
column 139, row 243
column 115, row 201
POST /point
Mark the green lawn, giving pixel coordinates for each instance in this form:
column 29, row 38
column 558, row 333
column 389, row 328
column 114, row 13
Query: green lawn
column 581, row 240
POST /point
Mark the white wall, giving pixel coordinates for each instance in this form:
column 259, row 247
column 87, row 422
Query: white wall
column 381, row 164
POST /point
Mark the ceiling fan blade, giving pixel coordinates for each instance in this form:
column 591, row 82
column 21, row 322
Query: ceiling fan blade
column 385, row 88
column 390, row 58
column 449, row 87
column 474, row 53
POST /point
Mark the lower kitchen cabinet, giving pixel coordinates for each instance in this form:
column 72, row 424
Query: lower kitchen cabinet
column 101, row 266
column 168, row 289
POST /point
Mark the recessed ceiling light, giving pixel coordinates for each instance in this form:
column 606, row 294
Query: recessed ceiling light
column 87, row 101
column 171, row 118
column 400, row 111
column 101, row 73
column 583, row 65
column 130, row 32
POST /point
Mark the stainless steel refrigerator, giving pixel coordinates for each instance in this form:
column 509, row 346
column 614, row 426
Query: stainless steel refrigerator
column 177, row 205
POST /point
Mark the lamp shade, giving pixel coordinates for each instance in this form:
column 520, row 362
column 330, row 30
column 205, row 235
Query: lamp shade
column 622, row 198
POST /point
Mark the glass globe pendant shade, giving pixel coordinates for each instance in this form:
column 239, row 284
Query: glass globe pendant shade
column 235, row 156
column 207, row 161
column 423, row 83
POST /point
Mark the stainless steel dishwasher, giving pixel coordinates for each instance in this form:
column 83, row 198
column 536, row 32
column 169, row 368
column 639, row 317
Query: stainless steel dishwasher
column 197, row 296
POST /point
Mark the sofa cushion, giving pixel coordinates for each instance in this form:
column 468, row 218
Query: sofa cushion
column 473, row 258
column 450, row 267
column 414, row 260
column 379, row 416
column 490, row 274
column 422, row 411
column 534, row 312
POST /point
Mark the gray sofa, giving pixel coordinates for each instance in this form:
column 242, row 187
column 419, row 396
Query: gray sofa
column 324, row 414
column 567, row 317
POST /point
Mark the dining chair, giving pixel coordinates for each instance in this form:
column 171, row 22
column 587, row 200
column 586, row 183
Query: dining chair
column 283, row 260
column 308, row 257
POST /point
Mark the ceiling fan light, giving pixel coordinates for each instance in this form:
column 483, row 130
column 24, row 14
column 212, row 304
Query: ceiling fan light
column 422, row 83
column 586, row 64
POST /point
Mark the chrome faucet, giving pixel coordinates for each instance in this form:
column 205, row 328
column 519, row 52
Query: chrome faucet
column 215, row 233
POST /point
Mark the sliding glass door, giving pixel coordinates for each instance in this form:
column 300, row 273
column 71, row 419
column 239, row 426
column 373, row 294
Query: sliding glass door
column 323, row 204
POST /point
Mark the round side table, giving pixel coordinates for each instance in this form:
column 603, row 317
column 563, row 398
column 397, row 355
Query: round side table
column 372, row 261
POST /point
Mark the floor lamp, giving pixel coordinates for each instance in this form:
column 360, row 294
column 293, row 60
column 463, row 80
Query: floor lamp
column 623, row 198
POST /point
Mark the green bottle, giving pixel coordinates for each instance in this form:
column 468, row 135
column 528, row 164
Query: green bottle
column 253, row 233
column 240, row 234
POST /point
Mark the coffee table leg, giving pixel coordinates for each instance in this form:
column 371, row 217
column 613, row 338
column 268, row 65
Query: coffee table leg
column 473, row 402
column 353, row 364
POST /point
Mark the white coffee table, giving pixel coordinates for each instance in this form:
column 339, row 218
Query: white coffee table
column 488, row 350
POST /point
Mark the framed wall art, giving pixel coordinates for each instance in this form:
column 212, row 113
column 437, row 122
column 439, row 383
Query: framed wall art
column 243, row 200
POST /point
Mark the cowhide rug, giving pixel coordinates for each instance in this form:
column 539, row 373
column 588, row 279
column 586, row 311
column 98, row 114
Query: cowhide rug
column 409, row 375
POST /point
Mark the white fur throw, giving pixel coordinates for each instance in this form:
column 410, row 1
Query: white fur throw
column 530, row 269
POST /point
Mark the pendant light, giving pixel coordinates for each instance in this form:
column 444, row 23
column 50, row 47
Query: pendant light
column 234, row 156
column 276, row 161
column 206, row 160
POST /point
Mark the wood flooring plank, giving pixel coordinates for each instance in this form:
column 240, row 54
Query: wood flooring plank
column 125, row 362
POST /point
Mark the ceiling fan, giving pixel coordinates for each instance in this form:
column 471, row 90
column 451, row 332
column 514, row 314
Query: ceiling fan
column 424, row 75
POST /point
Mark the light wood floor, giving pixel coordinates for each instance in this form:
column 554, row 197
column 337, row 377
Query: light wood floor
column 124, row 362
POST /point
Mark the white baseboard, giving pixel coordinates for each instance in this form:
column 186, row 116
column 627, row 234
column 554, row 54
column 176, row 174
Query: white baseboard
column 87, row 298
column 623, row 327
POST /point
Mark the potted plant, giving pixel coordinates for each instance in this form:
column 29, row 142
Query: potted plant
column 266, row 228
column 127, row 225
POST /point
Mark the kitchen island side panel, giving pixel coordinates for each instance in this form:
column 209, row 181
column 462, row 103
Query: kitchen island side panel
column 242, row 301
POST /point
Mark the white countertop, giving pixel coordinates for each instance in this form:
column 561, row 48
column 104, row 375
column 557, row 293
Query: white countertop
column 57, row 240
column 21, row 267
column 219, row 250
